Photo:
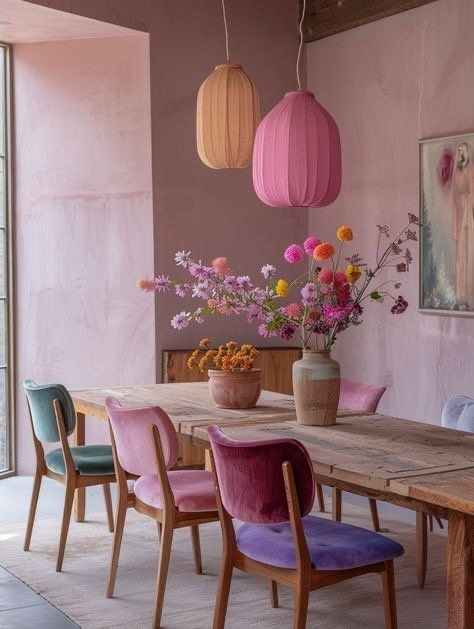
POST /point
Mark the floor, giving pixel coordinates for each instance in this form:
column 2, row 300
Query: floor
column 20, row 606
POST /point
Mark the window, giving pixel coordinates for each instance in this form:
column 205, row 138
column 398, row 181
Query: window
column 6, row 371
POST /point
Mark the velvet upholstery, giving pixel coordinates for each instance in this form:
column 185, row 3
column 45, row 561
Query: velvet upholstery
column 251, row 479
column 359, row 397
column 193, row 490
column 88, row 460
column 40, row 400
column 332, row 545
column 458, row 412
column 133, row 439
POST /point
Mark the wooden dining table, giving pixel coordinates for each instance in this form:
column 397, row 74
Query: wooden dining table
column 418, row 466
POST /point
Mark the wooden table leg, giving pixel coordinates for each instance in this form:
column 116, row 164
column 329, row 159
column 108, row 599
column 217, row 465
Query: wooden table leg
column 460, row 571
column 80, row 440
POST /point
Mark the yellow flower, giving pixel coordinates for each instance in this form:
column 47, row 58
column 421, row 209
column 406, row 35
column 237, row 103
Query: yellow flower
column 344, row 233
column 191, row 362
column 282, row 288
column 205, row 341
column 352, row 273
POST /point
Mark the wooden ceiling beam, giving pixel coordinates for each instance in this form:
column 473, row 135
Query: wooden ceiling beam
column 328, row 17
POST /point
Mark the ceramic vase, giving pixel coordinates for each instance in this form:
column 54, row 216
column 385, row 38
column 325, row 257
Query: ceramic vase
column 235, row 389
column 316, row 384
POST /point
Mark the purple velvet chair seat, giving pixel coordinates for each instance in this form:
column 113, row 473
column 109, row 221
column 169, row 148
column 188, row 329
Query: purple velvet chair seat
column 332, row 545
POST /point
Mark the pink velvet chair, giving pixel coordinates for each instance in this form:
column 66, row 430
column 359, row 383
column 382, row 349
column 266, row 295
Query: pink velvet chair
column 356, row 396
column 270, row 486
column 145, row 448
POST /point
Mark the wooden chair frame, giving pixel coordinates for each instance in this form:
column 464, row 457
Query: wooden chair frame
column 168, row 519
column 72, row 480
column 301, row 580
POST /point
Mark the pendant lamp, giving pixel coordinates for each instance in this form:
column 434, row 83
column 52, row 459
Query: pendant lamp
column 227, row 115
column 297, row 151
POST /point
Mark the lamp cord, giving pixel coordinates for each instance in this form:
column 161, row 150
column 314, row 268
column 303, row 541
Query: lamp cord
column 226, row 31
column 300, row 46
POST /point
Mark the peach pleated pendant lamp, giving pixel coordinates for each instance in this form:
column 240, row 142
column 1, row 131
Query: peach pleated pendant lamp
column 227, row 115
column 297, row 151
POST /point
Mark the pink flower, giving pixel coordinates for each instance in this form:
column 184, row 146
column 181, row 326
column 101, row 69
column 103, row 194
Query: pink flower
column 147, row 285
column 292, row 311
column 310, row 245
column 294, row 253
column 220, row 266
column 340, row 278
column 325, row 276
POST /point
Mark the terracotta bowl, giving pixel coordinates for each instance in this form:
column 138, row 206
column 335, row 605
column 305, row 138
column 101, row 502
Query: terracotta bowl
column 235, row 389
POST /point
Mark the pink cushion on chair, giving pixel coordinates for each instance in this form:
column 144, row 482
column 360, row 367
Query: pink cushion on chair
column 193, row 490
column 359, row 397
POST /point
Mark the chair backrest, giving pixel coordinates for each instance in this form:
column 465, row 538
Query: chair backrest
column 458, row 412
column 251, row 480
column 40, row 400
column 133, row 438
column 359, row 397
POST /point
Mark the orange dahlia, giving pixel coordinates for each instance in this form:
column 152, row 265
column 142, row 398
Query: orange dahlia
column 324, row 251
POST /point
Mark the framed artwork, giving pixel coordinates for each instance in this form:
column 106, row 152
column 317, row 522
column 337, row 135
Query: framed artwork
column 447, row 217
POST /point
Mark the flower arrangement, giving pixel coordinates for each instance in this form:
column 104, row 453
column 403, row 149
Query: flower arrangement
column 328, row 299
column 228, row 357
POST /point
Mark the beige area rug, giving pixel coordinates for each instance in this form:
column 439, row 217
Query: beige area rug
column 189, row 602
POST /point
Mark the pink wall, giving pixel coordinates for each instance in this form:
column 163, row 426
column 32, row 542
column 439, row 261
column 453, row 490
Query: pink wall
column 83, row 217
column 211, row 212
column 388, row 84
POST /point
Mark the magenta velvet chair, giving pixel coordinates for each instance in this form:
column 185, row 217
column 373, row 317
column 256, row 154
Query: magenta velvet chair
column 356, row 396
column 270, row 486
column 145, row 448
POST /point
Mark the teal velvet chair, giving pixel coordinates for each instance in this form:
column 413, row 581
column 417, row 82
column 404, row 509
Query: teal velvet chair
column 53, row 420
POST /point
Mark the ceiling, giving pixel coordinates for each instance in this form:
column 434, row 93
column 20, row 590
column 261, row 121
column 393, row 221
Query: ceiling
column 27, row 23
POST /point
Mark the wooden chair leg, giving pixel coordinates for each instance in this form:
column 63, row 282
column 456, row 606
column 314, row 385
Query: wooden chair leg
column 389, row 596
column 375, row 514
column 320, row 495
column 301, row 607
column 33, row 505
column 166, row 540
column 158, row 526
column 223, row 589
column 421, row 547
column 120, row 515
column 273, row 588
column 68, row 502
column 196, row 548
column 108, row 506
column 336, row 504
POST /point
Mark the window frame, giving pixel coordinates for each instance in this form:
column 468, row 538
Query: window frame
column 10, row 344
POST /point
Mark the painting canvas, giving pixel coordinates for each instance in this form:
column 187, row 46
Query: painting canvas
column 447, row 215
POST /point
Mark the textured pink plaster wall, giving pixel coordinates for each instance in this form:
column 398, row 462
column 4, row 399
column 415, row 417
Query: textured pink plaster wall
column 84, row 218
column 388, row 84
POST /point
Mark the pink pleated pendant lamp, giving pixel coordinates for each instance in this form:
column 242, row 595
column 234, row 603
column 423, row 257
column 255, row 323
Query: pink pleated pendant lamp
column 297, row 151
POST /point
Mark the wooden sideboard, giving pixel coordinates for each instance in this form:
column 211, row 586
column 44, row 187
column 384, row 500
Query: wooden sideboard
column 276, row 363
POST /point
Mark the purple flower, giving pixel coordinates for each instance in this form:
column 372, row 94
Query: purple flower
column 413, row 219
column 200, row 271
column 162, row 283
column 411, row 234
column 309, row 294
column 181, row 320
column 396, row 249
column 182, row 258
column 200, row 290
column 294, row 253
column 287, row 331
column 264, row 331
column 268, row 270
column 335, row 314
column 355, row 260
column 310, row 245
column 244, row 283
column 230, row 283
column 400, row 306
column 408, row 258
column 182, row 289
column 384, row 229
